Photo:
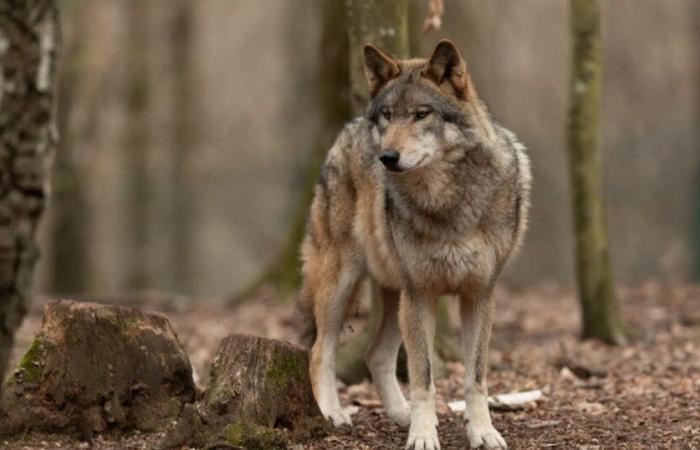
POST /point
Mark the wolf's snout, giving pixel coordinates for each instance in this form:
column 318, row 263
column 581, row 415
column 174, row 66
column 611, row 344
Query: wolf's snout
column 390, row 159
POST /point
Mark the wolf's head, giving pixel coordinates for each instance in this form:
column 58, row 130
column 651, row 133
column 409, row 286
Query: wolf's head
column 422, row 110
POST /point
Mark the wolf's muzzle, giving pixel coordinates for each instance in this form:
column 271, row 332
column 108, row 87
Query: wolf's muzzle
column 390, row 159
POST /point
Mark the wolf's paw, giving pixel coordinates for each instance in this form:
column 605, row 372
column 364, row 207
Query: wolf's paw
column 423, row 435
column 401, row 417
column 339, row 417
column 423, row 442
column 484, row 436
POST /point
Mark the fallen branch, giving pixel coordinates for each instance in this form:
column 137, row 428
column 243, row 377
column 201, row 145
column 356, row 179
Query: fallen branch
column 503, row 402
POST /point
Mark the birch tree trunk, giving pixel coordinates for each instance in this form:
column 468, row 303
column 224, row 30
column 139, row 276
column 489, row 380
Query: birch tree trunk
column 601, row 318
column 29, row 39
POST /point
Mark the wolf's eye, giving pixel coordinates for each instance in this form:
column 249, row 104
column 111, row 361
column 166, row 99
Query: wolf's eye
column 386, row 113
column 422, row 114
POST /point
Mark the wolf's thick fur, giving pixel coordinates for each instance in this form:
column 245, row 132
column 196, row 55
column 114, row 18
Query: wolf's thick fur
column 429, row 196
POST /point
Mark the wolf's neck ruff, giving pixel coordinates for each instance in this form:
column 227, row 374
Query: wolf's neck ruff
column 445, row 197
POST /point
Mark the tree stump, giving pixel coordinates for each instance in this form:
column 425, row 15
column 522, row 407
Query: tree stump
column 258, row 396
column 94, row 367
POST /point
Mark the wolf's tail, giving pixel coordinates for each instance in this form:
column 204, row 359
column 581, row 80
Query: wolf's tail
column 305, row 319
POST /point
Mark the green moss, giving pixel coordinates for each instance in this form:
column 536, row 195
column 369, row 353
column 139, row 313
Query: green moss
column 312, row 428
column 221, row 394
column 285, row 366
column 30, row 366
column 251, row 436
column 127, row 324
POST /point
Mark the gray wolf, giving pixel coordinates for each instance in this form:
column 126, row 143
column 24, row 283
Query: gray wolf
column 429, row 196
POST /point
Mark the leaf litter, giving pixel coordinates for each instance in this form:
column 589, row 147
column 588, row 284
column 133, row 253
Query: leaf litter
column 645, row 395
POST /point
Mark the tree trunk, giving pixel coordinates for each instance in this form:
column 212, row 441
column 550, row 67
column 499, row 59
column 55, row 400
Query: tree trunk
column 383, row 23
column 601, row 318
column 334, row 98
column 695, row 231
column 136, row 145
column 695, row 199
column 68, row 219
column 29, row 39
column 184, row 136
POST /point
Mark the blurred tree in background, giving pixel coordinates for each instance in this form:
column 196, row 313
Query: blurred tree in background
column 601, row 318
column 257, row 117
column 137, row 142
column 69, row 210
column 28, row 49
column 333, row 104
column 182, row 210
column 695, row 207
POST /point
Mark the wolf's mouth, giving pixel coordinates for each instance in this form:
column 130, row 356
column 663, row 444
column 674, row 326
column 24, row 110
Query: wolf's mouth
column 414, row 166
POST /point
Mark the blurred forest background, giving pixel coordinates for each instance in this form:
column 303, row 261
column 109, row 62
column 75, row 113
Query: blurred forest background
column 187, row 129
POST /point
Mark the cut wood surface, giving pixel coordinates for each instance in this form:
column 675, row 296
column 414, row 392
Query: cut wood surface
column 93, row 367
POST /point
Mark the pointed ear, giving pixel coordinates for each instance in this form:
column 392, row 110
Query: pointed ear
column 447, row 65
column 380, row 67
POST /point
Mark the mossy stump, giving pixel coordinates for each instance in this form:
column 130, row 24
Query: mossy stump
column 94, row 367
column 258, row 396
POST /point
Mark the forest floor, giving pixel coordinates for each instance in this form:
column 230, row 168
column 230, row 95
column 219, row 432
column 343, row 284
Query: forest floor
column 645, row 395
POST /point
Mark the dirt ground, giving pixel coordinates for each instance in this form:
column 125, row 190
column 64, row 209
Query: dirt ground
column 645, row 395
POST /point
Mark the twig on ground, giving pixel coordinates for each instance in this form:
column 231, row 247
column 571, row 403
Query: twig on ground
column 504, row 402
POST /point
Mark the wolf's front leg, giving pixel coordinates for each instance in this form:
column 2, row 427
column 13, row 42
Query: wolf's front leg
column 331, row 298
column 477, row 316
column 417, row 321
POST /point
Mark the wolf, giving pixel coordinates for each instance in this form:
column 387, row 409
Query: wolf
column 429, row 196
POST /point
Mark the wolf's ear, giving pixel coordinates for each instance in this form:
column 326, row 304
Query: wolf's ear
column 447, row 65
column 380, row 67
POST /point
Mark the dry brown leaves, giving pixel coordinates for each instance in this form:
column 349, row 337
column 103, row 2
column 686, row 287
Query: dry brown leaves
column 642, row 396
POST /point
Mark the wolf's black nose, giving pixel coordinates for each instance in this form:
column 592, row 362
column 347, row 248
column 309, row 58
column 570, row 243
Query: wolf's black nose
column 390, row 159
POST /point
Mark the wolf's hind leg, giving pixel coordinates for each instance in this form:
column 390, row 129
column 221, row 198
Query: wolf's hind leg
column 331, row 299
column 381, row 360
column 477, row 312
